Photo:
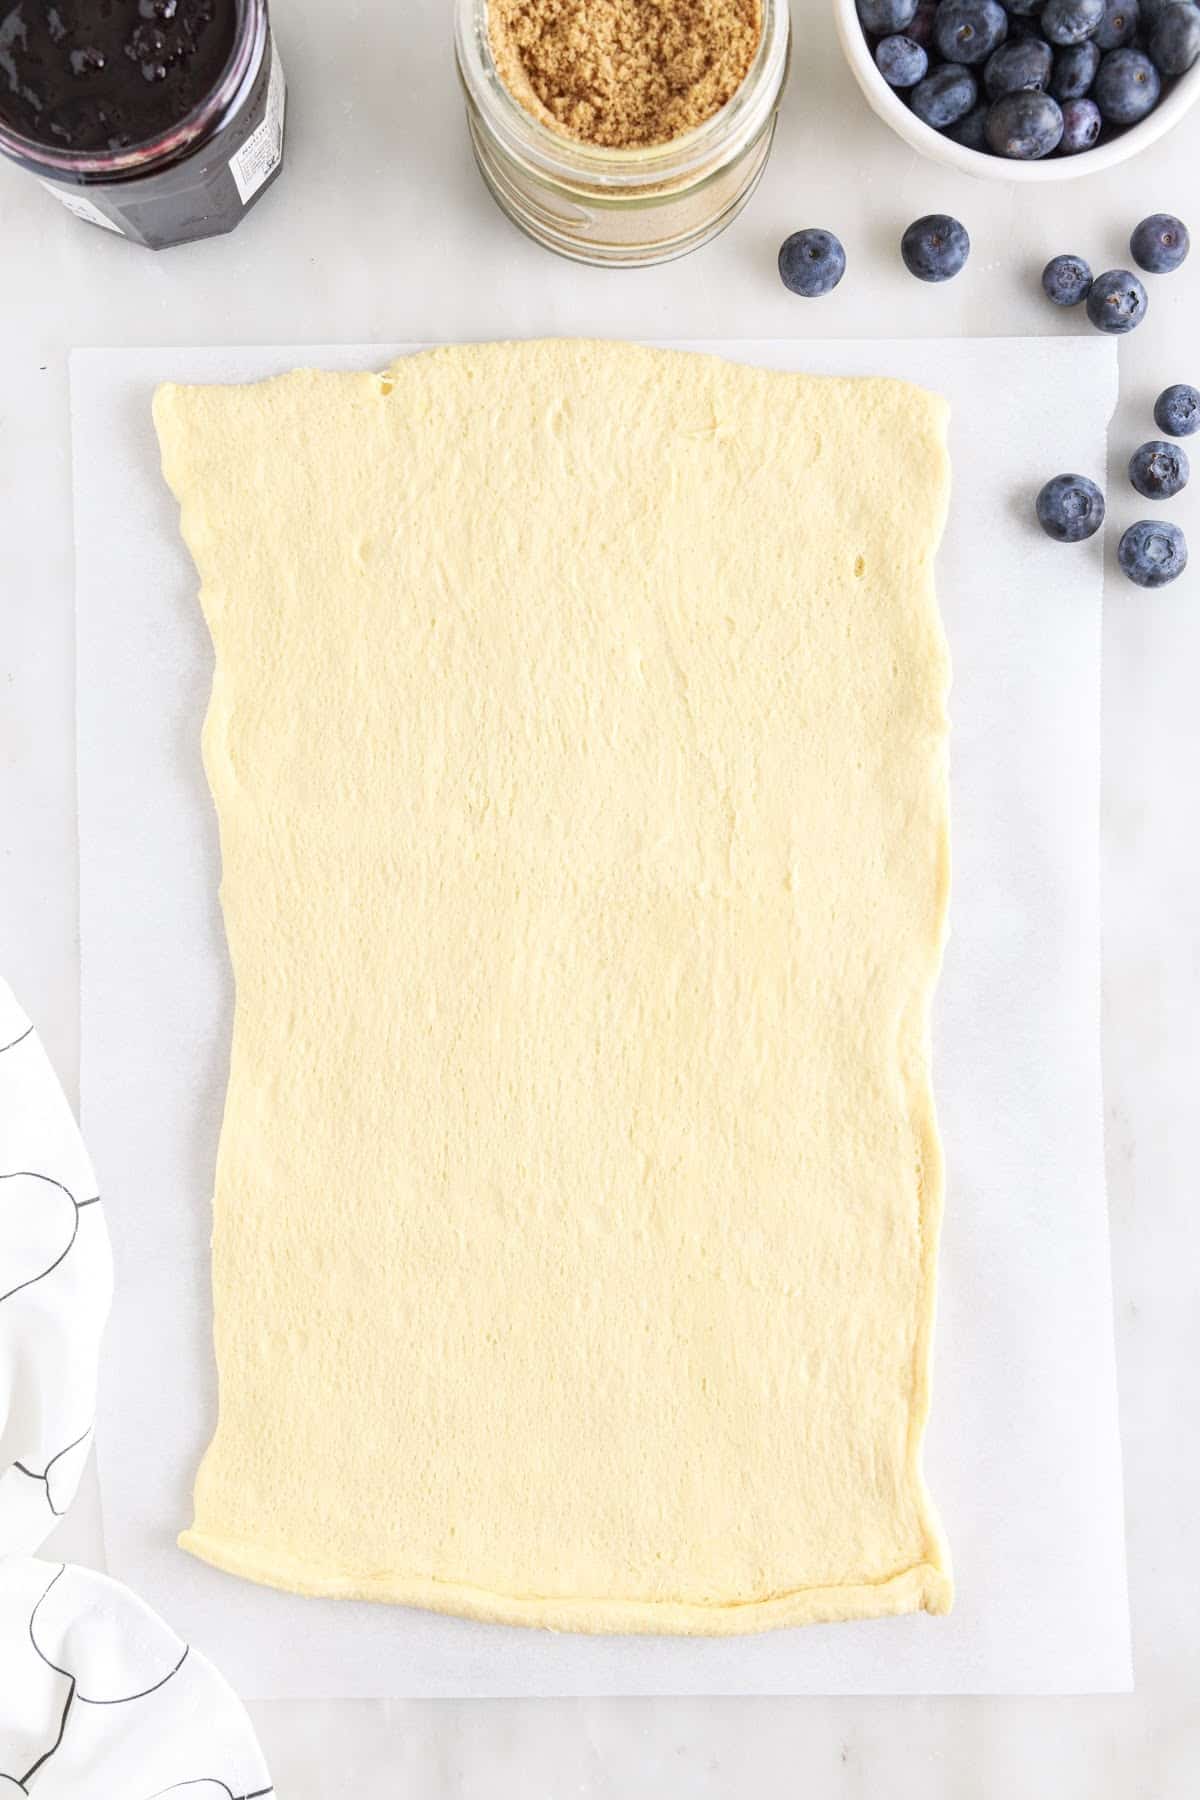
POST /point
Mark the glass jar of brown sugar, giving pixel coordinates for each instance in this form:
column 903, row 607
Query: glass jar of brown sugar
column 161, row 120
column 607, row 203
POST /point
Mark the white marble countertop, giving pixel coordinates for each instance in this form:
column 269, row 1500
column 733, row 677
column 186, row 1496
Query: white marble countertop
column 380, row 230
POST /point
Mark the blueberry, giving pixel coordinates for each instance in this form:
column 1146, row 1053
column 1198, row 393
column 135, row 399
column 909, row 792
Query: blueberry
column 1024, row 63
column 1127, row 86
column 811, row 263
column 1116, row 301
column 1070, row 508
column 1159, row 471
column 883, row 17
column 1177, row 410
column 967, row 31
column 947, row 94
column 1082, row 126
column 900, row 61
column 1119, row 24
column 920, row 26
column 1074, row 71
column 1070, row 21
column 1152, row 554
column 1160, row 243
column 935, row 248
column 1024, row 126
column 1151, row 11
column 969, row 130
column 1066, row 280
column 1175, row 40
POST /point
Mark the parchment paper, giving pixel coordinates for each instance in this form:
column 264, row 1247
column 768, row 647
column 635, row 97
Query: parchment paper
column 1023, row 1452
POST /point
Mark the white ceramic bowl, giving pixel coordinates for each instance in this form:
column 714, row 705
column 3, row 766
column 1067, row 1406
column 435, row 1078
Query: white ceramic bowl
column 893, row 111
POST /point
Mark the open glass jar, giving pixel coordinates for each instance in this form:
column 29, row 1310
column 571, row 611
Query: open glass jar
column 627, row 206
column 197, row 176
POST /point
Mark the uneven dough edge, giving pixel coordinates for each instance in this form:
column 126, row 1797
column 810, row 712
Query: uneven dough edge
column 926, row 1587
column 940, row 1598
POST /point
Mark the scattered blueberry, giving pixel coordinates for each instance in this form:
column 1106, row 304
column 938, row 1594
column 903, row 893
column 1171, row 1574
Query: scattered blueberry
column 1159, row 471
column 1023, row 63
column 1175, row 40
column 1160, row 243
column 1127, row 86
column 1116, row 301
column 1070, row 508
column 1074, row 70
column 1024, row 126
column 935, row 248
column 969, row 130
column 967, row 31
column 900, row 61
column 1070, row 21
column 1066, row 280
column 1119, row 24
column 1152, row 554
column 1177, row 410
column 1082, row 126
column 945, row 96
column 811, row 263
column 886, row 16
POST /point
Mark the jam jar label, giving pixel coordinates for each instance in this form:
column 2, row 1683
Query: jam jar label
column 259, row 156
column 83, row 209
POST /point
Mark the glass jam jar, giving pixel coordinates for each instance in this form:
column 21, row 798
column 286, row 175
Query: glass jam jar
column 620, row 206
column 161, row 120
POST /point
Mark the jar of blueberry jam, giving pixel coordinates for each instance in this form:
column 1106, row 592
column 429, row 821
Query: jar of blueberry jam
column 158, row 119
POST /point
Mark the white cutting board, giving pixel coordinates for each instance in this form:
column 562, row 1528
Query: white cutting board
column 1023, row 1452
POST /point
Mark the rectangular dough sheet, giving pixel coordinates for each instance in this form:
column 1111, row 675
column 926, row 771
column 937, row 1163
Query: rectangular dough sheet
column 578, row 740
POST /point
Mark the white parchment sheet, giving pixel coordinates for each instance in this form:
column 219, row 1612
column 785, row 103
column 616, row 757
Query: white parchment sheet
column 1023, row 1453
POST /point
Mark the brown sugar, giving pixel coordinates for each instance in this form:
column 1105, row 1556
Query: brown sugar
column 624, row 73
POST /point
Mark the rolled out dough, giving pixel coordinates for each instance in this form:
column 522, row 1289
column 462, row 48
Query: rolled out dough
column 578, row 742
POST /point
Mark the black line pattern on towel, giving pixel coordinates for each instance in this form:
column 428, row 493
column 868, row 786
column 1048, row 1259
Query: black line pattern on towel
column 35, row 1175
column 74, row 1697
column 44, row 1477
column 22, row 1781
column 13, row 1042
column 177, row 1787
column 62, row 1727
column 73, row 1694
column 127, row 1699
column 85, row 1699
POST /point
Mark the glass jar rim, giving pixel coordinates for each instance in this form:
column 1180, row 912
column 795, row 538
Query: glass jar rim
column 193, row 129
column 561, row 158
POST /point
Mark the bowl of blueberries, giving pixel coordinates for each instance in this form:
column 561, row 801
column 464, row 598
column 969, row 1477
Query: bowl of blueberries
column 1025, row 90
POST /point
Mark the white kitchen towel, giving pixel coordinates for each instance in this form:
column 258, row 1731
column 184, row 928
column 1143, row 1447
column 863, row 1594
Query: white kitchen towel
column 1023, row 1451
column 100, row 1700
column 55, row 1289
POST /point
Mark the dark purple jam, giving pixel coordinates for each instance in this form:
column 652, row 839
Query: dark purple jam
column 88, row 75
column 161, row 120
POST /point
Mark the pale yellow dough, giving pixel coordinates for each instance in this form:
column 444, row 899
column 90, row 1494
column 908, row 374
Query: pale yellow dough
column 578, row 741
